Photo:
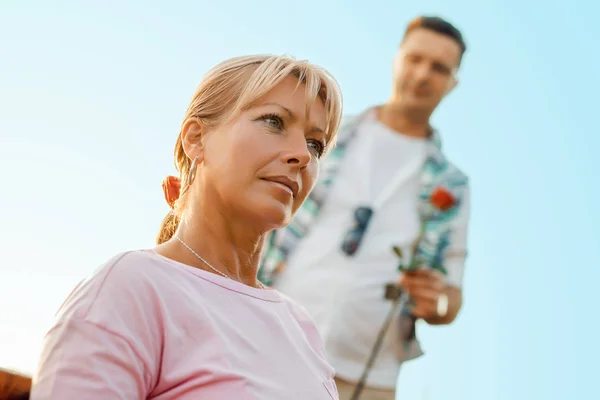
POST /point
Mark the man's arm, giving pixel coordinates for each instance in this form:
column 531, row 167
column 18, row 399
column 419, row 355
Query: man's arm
column 427, row 285
column 454, row 305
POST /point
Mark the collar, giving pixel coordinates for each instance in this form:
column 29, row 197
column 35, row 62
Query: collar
column 354, row 121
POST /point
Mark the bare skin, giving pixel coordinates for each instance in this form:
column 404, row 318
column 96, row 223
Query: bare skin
column 425, row 287
column 253, row 174
column 424, row 73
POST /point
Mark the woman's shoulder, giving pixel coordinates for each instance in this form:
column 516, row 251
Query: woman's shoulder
column 140, row 264
column 306, row 323
column 125, row 283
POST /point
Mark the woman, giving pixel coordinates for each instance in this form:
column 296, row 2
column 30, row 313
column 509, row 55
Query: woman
column 189, row 319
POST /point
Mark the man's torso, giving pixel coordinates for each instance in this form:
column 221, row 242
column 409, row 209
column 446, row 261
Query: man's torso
column 344, row 294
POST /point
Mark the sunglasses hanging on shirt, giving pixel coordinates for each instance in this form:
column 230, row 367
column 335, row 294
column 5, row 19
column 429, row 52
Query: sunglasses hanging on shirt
column 364, row 214
column 352, row 240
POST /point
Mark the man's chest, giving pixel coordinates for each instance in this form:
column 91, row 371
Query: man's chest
column 395, row 222
column 374, row 166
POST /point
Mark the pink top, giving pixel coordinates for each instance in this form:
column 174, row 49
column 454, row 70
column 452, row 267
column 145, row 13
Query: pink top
column 146, row 327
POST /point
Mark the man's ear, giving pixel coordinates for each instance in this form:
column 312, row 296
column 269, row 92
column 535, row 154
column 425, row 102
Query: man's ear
column 452, row 82
column 192, row 138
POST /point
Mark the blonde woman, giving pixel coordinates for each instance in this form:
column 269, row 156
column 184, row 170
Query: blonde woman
column 189, row 318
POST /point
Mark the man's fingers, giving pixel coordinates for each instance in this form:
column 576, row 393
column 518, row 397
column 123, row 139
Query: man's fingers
column 425, row 295
column 420, row 283
column 424, row 309
column 424, row 286
column 425, row 272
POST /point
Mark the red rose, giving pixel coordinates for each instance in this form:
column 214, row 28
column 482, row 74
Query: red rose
column 171, row 187
column 442, row 199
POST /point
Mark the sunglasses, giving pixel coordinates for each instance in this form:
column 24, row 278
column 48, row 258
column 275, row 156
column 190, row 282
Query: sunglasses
column 354, row 237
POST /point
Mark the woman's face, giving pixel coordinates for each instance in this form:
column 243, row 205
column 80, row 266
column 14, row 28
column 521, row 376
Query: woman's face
column 262, row 165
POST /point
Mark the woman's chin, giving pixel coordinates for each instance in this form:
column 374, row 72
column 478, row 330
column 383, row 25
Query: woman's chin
column 277, row 218
column 272, row 214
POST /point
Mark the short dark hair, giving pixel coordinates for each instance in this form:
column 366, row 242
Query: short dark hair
column 438, row 25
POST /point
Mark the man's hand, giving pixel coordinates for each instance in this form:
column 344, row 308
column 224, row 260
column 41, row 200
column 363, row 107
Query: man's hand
column 426, row 286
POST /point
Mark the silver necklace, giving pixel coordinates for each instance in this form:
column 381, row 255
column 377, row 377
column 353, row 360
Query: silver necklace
column 209, row 265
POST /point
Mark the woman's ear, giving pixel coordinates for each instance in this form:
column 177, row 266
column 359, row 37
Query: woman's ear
column 192, row 138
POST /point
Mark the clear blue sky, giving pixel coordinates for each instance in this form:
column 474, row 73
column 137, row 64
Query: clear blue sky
column 91, row 98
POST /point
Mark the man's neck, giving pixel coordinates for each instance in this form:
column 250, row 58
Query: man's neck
column 403, row 121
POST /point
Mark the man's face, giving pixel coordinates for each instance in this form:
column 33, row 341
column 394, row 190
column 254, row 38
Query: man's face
column 424, row 69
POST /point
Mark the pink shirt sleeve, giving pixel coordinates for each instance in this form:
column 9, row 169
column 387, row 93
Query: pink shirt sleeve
column 104, row 340
column 82, row 360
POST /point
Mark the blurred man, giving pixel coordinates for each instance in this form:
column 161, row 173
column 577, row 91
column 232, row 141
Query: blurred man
column 336, row 257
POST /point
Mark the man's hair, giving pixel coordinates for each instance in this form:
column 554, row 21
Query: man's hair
column 438, row 25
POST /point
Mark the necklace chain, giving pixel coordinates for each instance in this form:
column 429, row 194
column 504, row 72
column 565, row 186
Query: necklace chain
column 209, row 264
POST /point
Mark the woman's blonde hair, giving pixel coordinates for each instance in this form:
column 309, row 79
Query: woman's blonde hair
column 236, row 83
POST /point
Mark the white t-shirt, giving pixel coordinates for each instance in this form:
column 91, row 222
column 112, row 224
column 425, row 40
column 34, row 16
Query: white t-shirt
column 345, row 294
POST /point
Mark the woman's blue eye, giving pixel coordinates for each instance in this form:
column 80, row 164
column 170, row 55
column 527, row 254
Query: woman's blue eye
column 316, row 147
column 273, row 121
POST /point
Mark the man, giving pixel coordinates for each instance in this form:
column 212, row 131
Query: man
column 336, row 257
